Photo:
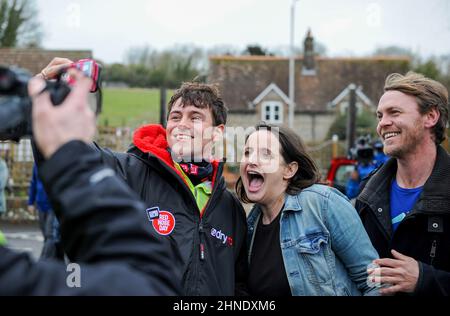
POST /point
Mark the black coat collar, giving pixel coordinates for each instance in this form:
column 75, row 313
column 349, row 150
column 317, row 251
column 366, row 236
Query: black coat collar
column 435, row 198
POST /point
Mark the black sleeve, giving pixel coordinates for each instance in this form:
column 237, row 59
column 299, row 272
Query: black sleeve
column 103, row 224
column 112, row 159
column 433, row 282
column 20, row 275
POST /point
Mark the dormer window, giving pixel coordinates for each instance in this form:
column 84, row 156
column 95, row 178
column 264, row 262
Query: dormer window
column 272, row 112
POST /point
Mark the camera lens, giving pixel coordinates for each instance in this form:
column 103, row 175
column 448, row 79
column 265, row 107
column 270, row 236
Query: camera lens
column 6, row 80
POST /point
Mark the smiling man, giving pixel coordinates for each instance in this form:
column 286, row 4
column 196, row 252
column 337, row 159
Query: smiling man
column 405, row 205
column 174, row 172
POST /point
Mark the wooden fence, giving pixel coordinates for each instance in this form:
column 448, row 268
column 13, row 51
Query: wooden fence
column 19, row 159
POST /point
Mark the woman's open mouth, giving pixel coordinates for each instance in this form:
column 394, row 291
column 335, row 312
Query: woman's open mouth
column 255, row 181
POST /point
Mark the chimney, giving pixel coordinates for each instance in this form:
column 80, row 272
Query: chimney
column 308, row 56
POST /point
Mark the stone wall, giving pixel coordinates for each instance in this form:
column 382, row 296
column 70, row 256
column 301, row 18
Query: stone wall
column 20, row 163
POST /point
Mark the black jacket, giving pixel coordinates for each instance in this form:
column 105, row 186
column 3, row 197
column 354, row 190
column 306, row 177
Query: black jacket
column 211, row 250
column 102, row 230
column 425, row 232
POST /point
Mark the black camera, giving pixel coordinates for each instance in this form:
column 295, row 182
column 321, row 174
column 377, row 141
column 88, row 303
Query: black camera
column 15, row 104
column 364, row 152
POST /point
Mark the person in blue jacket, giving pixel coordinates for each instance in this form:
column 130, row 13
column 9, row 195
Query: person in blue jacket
column 365, row 165
column 379, row 156
column 48, row 223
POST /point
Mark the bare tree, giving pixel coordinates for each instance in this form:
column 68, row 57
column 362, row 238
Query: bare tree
column 170, row 67
column 394, row 51
column 19, row 25
column 255, row 50
column 223, row 50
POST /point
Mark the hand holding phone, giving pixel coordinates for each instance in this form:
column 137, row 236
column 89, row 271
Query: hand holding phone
column 90, row 68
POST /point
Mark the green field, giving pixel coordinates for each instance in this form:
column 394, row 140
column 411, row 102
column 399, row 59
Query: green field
column 123, row 107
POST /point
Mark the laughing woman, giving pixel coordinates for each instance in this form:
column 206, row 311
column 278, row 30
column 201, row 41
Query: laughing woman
column 305, row 238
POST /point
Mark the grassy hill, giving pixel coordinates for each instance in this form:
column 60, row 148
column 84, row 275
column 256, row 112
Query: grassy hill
column 123, row 107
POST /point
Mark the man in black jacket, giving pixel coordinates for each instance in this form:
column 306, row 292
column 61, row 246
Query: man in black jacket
column 100, row 216
column 185, row 196
column 405, row 204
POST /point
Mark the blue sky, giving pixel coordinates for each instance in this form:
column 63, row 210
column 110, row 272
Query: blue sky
column 345, row 27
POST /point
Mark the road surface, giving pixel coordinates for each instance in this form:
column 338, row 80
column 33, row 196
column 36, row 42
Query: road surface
column 23, row 237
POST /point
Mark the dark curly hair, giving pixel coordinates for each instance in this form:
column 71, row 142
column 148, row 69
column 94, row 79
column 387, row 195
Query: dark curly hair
column 201, row 95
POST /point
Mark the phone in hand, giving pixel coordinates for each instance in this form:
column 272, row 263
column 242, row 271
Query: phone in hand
column 90, row 68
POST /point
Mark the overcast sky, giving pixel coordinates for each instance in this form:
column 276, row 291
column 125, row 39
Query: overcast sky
column 345, row 27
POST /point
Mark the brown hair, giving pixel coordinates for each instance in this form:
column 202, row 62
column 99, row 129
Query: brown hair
column 202, row 95
column 291, row 149
column 428, row 93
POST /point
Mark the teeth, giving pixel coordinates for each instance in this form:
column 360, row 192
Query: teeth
column 183, row 137
column 389, row 135
column 253, row 175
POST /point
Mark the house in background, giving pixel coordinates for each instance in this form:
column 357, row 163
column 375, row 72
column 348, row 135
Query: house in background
column 342, row 101
column 271, row 104
column 255, row 88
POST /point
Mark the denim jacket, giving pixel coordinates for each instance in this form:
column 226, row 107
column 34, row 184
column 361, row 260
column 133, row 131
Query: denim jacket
column 324, row 246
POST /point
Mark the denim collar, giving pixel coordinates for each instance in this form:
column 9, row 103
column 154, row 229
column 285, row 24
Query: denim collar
column 291, row 203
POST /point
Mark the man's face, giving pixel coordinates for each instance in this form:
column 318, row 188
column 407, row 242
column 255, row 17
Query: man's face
column 400, row 125
column 190, row 132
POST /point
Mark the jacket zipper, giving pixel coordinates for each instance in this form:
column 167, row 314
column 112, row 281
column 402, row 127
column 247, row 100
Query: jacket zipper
column 202, row 245
column 201, row 230
column 202, row 252
column 433, row 251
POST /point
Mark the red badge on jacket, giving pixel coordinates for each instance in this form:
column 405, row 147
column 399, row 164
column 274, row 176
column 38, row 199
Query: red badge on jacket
column 164, row 224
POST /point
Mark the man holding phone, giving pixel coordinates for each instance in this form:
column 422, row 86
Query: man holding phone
column 175, row 174
column 124, row 258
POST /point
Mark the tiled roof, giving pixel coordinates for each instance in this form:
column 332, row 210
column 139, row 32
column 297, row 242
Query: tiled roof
column 243, row 78
column 35, row 60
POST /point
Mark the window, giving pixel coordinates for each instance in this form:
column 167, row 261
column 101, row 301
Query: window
column 272, row 112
